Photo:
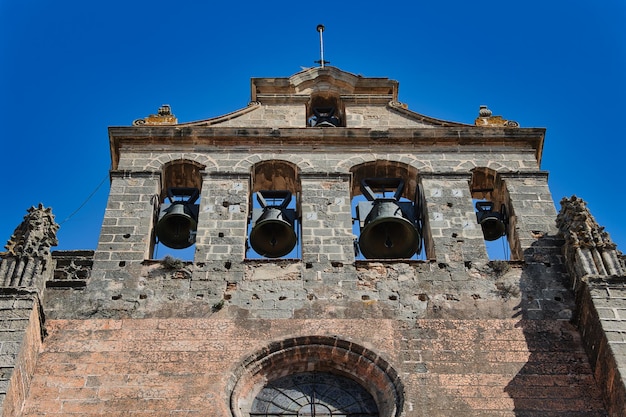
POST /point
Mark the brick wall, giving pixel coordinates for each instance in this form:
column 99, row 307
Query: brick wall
column 166, row 367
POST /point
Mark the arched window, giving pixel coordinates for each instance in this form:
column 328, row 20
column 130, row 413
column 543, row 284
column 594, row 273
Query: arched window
column 325, row 110
column 316, row 376
column 319, row 394
column 178, row 205
column 274, row 224
column 493, row 212
column 388, row 211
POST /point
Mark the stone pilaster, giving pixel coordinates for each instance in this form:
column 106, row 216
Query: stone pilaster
column 223, row 218
column 127, row 234
column 326, row 218
column 451, row 223
column 531, row 211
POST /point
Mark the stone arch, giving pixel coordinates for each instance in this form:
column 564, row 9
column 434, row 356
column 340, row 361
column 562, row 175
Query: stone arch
column 387, row 169
column 347, row 165
column 465, row 166
column 325, row 354
column 274, row 204
column 496, row 166
column 181, row 173
column 246, row 164
column 199, row 159
column 275, row 174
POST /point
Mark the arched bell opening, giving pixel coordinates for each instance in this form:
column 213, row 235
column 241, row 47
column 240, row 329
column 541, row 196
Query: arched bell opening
column 388, row 212
column 274, row 222
column 493, row 206
column 325, row 110
column 178, row 208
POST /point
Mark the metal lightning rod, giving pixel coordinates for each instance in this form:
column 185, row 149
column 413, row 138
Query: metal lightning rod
column 320, row 29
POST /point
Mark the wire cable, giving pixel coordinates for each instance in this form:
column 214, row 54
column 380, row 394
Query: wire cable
column 86, row 200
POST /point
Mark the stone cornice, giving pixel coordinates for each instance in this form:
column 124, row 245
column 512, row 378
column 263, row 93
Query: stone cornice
column 124, row 173
column 524, row 174
column 459, row 138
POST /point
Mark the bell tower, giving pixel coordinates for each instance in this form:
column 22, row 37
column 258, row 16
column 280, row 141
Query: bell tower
column 324, row 251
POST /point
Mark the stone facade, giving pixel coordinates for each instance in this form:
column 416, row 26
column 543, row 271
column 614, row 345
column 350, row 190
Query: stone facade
column 446, row 332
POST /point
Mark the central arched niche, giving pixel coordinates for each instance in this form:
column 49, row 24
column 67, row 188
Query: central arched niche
column 274, row 207
column 275, row 175
column 181, row 181
column 410, row 193
column 385, row 169
column 351, row 369
column 181, row 173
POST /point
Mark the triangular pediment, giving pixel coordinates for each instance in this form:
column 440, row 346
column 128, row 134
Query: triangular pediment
column 369, row 102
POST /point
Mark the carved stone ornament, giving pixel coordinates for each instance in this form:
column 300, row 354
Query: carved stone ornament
column 398, row 104
column 163, row 117
column 485, row 119
column 35, row 235
column 578, row 226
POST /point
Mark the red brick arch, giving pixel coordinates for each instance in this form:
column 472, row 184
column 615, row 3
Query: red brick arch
column 321, row 354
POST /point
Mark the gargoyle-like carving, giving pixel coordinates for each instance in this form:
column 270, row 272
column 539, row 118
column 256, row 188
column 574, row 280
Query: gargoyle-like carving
column 485, row 119
column 35, row 235
column 163, row 117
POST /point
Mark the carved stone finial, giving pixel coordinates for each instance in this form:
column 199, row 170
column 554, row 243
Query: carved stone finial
column 588, row 247
column 163, row 117
column 35, row 235
column 485, row 119
column 579, row 227
column 484, row 111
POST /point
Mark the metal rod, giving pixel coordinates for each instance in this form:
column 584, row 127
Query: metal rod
column 320, row 29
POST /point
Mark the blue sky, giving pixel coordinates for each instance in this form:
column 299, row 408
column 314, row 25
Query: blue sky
column 70, row 69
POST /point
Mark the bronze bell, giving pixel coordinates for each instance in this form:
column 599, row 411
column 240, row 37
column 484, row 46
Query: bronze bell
column 492, row 222
column 389, row 227
column 178, row 221
column 273, row 233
